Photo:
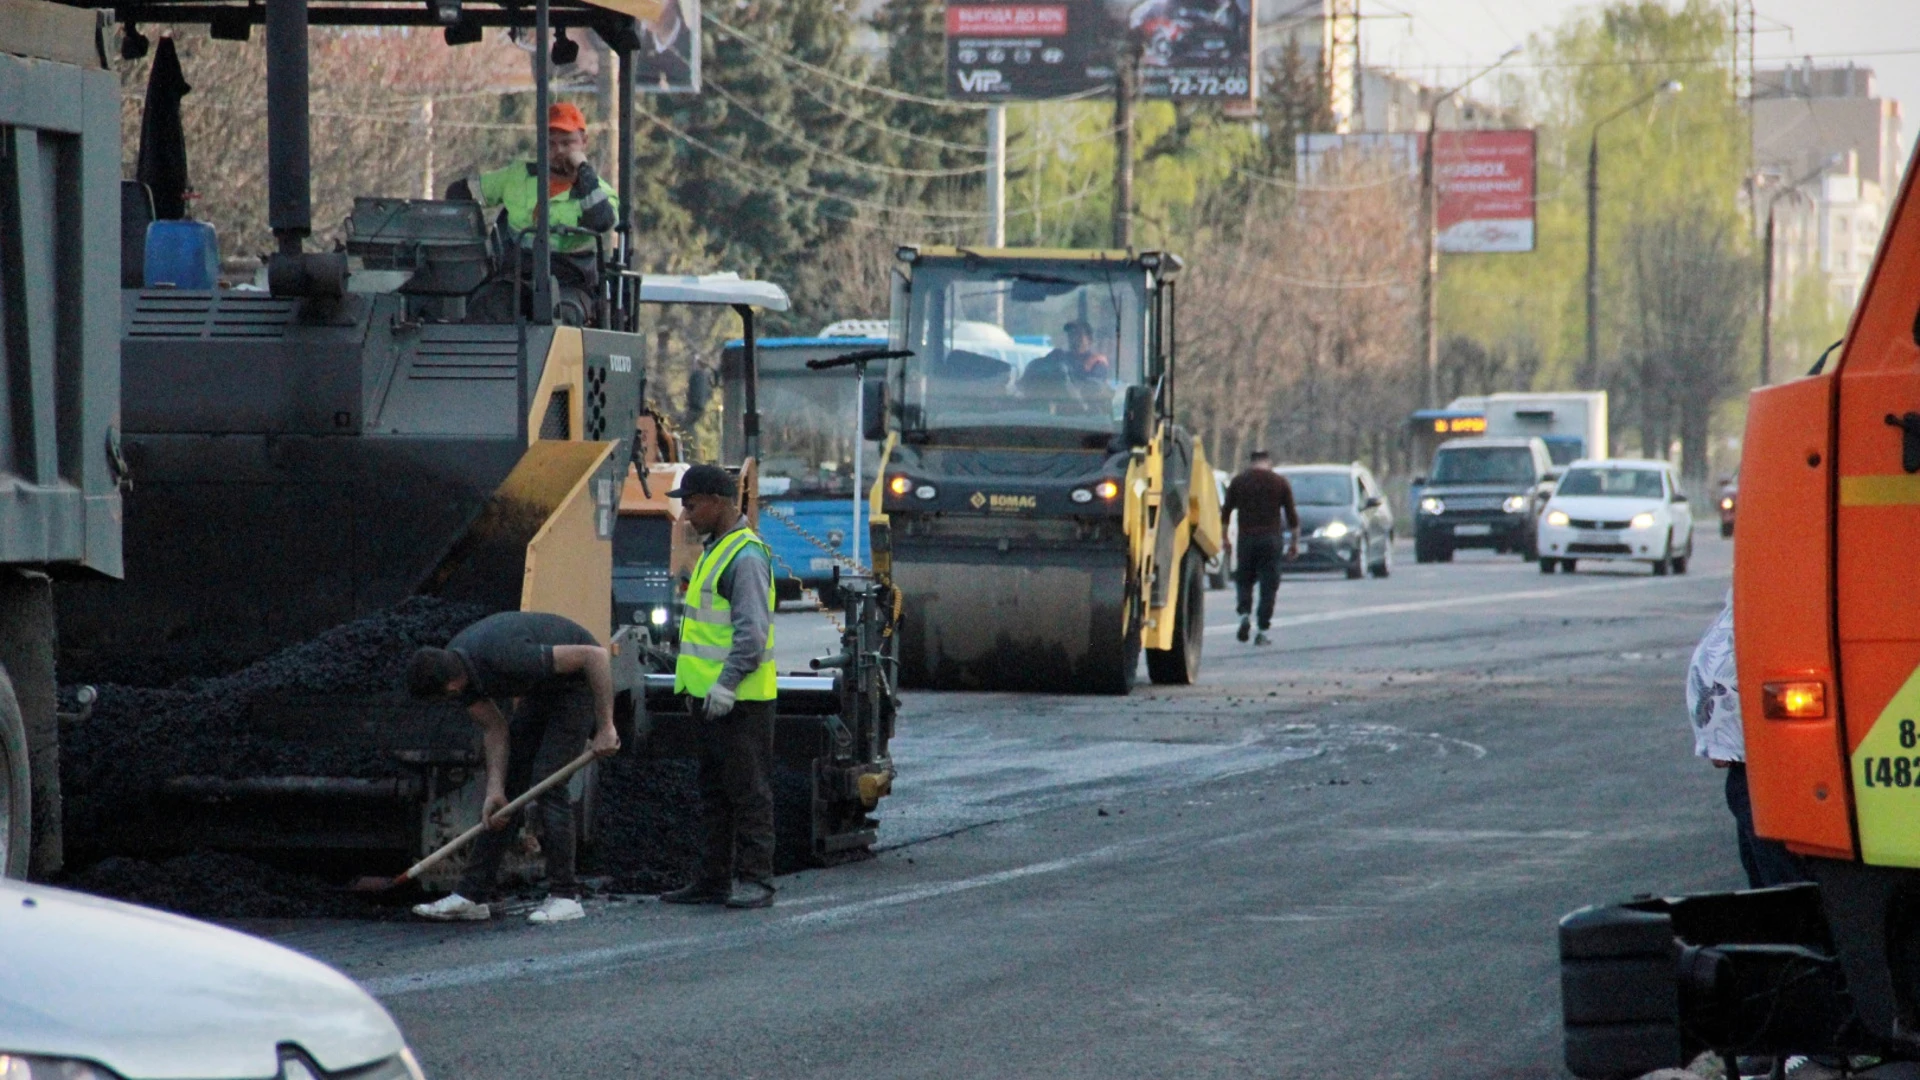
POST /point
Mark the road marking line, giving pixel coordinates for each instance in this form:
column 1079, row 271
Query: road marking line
column 560, row 964
column 1455, row 601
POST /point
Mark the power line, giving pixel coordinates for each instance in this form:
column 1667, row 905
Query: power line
column 827, row 73
column 887, row 170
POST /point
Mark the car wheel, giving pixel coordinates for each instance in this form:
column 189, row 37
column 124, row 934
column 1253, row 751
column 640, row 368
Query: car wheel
column 1726, row 530
column 1664, row 564
column 1384, row 568
column 1530, row 550
column 1567, row 565
column 1546, row 566
column 1358, row 569
column 1422, row 551
column 1443, row 554
column 16, row 787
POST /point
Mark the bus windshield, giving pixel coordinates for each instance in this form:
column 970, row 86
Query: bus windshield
column 1048, row 350
column 808, row 419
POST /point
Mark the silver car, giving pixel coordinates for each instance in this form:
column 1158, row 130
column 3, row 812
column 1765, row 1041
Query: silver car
column 93, row 989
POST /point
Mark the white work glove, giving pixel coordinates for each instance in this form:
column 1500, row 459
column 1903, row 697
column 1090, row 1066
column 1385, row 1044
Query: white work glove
column 720, row 701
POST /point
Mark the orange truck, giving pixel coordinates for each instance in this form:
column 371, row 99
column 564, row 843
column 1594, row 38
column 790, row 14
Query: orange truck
column 1827, row 636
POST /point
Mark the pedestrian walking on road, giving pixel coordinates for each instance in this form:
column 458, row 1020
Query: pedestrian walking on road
column 1264, row 501
column 561, row 680
column 1713, row 702
column 725, row 667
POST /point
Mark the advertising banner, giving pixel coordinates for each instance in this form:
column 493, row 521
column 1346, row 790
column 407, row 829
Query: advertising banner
column 1020, row 50
column 1483, row 181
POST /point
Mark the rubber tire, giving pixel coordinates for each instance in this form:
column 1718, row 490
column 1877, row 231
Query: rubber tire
column 1664, row 564
column 1421, row 552
column 1531, row 551
column 1566, row 565
column 16, row 787
column 1358, row 569
column 1384, row 568
column 1444, row 554
column 1680, row 564
column 1726, row 530
column 1547, row 565
column 1180, row 665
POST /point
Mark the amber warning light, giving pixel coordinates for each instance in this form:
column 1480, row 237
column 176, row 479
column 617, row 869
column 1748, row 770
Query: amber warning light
column 1793, row 700
column 1460, row 425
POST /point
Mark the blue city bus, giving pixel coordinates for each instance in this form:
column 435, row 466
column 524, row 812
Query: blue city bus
column 809, row 439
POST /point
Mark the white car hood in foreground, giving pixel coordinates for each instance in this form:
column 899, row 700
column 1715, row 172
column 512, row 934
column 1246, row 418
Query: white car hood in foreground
column 154, row 996
column 1604, row 507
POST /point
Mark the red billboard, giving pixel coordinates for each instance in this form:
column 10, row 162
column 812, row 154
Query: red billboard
column 1483, row 181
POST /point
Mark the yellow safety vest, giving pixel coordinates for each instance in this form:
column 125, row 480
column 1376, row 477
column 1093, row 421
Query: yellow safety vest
column 517, row 187
column 706, row 626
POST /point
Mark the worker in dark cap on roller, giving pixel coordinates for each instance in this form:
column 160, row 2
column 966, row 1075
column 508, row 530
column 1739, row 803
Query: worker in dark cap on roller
column 725, row 668
column 562, row 680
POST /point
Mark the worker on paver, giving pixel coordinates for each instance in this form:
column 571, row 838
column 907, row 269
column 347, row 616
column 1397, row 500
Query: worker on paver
column 1262, row 498
column 562, row 680
column 725, row 667
column 577, row 197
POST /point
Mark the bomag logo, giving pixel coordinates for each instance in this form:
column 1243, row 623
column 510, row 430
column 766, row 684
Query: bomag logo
column 1003, row 503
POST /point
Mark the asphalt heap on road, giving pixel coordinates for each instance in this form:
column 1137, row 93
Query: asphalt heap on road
column 114, row 763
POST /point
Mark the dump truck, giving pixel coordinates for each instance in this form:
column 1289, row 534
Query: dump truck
column 1827, row 643
column 437, row 411
column 61, row 461
column 1044, row 516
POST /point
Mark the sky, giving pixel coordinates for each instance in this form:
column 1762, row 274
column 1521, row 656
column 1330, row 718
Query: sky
column 1462, row 36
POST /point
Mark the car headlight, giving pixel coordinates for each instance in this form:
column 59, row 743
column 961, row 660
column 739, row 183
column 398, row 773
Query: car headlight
column 900, row 485
column 925, row 491
column 1557, row 517
column 1432, row 505
column 1081, row 495
column 1642, row 520
column 22, row 1067
column 1514, row 504
column 1106, row 489
column 1332, row 530
column 1726, row 504
column 658, row 617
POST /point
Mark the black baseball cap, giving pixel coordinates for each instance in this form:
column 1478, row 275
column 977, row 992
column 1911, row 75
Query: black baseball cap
column 704, row 480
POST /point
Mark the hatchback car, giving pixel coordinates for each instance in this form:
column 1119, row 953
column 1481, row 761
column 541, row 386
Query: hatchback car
column 94, row 989
column 1619, row 510
column 1345, row 523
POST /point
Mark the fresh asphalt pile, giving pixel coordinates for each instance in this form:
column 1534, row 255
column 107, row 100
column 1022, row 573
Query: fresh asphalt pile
column 646, row 835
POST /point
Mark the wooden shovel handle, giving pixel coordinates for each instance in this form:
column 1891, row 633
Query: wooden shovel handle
column 560, row 777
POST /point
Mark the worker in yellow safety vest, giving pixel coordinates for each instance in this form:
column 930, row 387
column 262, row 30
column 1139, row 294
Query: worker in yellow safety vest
column 725, row 667
column 577, row 197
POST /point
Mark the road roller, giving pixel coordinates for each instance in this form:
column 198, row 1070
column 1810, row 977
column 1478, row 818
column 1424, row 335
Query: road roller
column 1043, row 515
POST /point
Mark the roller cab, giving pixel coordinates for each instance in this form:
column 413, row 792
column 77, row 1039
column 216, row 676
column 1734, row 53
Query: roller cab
column 1045, row 518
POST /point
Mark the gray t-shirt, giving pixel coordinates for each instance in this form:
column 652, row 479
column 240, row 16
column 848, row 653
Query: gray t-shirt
column 511, row 654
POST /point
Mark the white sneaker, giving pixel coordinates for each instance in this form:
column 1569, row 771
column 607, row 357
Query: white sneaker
column 454, row 908
column 557, row 909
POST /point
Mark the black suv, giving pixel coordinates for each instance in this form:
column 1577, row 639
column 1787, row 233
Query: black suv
column 1483, row 493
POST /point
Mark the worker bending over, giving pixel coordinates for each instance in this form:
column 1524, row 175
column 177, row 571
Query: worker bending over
column 562, row 681
column 725, row 668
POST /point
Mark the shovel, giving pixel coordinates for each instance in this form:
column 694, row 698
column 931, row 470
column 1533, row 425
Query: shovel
column 382, row 884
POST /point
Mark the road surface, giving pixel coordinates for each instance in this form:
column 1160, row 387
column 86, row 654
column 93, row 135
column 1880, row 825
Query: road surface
column 1339, row 856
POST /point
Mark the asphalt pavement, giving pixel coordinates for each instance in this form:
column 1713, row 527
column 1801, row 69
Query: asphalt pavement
column 1341, row 855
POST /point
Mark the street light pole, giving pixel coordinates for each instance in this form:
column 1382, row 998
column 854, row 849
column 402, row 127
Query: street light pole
column 1590, row 370
column 1430, row 222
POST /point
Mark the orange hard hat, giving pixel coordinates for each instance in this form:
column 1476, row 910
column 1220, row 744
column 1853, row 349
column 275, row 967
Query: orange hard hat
column 566, row 116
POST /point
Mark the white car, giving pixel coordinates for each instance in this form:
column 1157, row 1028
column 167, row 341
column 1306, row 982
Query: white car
column 93, row 989
column 1620, row 510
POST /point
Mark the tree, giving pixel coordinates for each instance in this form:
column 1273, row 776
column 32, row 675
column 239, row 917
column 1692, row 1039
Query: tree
column 1692, row 292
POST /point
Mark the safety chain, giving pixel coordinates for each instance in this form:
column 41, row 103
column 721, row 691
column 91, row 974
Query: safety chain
column 844, row 561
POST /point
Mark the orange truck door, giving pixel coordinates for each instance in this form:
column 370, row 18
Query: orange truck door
column 1877, row 539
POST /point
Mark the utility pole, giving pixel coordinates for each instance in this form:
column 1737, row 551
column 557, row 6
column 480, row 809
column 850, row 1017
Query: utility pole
column 1430, row 230
column 1590, row 366
column 1125, row 77
column 997, row 176
column 1766, row 302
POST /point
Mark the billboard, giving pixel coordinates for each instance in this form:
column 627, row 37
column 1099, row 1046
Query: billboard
column 1021, row 50
column 667, row 60
column 1484, row 181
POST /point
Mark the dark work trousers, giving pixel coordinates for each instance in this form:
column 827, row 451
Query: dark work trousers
column 1767, row 862
column 545, row 733
column 736, row 794
column 1259, row 561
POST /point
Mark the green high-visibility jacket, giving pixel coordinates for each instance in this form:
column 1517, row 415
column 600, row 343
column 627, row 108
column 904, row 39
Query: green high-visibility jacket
column 589, row 204
column 706, row 626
